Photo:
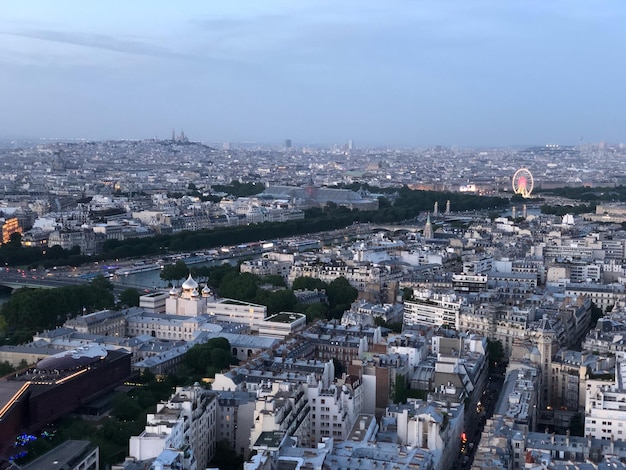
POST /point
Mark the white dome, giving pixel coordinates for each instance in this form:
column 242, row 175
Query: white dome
column 194, row 293
column 190, row 284
column 173, row 291
column 206, row 290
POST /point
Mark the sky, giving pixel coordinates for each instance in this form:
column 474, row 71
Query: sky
column 378, row 72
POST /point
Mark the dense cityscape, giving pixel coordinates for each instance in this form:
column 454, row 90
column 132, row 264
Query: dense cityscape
column 312, row 235
column 481, row 328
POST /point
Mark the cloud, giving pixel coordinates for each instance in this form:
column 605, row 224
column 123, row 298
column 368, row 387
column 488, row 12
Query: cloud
column 98, row 41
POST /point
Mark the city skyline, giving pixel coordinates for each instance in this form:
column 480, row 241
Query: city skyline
column 400, row 74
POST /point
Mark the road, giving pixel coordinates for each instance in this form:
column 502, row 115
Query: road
column 476, row 422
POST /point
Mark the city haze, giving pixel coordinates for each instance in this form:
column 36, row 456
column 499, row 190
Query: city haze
column 316, row 72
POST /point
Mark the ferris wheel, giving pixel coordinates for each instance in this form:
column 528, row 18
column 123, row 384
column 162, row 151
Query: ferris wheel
column 523, row 182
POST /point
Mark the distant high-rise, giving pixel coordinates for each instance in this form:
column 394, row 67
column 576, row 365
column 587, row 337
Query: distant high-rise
column 350, row 144
column 436, row 209
column 287, row 144
column 448, row 206
column 513, row 213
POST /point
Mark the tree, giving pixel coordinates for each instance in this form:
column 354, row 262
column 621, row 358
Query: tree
column 206, row 359
column 407, row 293
column 15, row 241
column 596, row 314
column 3, row 326
column 6, row 368
column 383, row 202
column 129, row 297
column 174, row 272
column 339, row 368
column 315, row 312
column 125, row 408
column 496, row 354
column 340, row 295
column 577, row 425
column 401, row 392
column 100, row 282
column 396, row 327
column 308, row 283
column 220, row 359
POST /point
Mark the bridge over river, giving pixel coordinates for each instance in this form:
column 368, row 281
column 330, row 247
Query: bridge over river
column 15, row 280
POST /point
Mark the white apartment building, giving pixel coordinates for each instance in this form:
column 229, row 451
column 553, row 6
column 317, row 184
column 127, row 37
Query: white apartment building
column 432, row 309
column 281, row 406
column 334, row 409
column 429, row 426
column 235, row 419
column 187, row 420
column 605, row 406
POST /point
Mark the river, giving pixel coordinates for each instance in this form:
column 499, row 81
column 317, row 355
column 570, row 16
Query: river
column 144, row 280
column 152, row 279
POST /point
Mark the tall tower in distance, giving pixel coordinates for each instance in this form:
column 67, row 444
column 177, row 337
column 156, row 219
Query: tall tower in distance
column 448, row 206
column 436, row 209
column 287, row 144
column 428, row 229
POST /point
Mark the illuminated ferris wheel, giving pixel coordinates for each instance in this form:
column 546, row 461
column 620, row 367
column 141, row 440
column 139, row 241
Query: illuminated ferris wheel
column 523, row 182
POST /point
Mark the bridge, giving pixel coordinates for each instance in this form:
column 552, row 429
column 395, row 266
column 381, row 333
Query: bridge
column 396, row 228
column 16, row 281
column 418, row 227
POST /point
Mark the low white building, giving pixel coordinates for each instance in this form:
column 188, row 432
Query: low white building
column 282, row 325
column 237, row 311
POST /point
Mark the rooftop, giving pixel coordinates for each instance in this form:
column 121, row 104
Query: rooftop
column 285, row 317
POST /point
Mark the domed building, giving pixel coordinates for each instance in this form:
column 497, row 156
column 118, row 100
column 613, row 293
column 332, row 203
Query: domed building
column 188, row 301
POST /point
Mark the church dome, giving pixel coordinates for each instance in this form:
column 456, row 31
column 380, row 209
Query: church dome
column 194, row 293
column 206, row 290
column 190, row 284
column 173, row 291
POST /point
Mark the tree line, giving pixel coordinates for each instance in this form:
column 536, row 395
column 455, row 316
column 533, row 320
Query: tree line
column 589, row 194
column 29, row 311
column 407, row 204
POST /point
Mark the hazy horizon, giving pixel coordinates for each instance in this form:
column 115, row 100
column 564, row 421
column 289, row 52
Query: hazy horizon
column 397, row 73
